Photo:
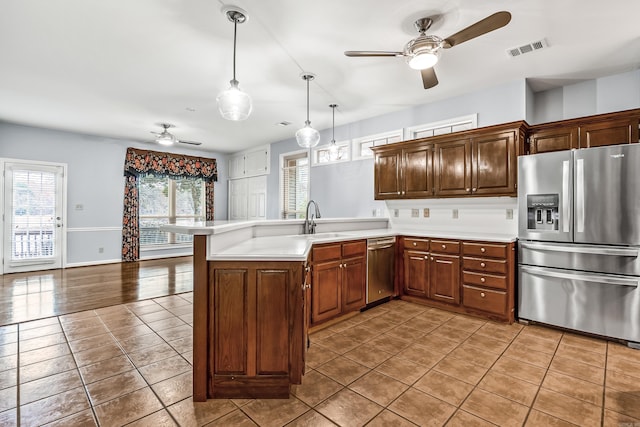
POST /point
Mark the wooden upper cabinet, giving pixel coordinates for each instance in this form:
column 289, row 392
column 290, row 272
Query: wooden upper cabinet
column 556, row 139
column 453, row 168
column 404, row 172
column 494, row 163
column 609, row 133
column 387, row 174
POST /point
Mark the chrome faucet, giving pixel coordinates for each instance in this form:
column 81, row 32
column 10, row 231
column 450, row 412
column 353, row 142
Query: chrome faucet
column 309, row 226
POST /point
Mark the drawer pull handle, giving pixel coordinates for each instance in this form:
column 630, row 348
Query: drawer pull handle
column 444, row 246
column 431, row 258
column 415, row 244
column 482, row 279
column 482, row 294
column 483, row 250
column 426, row 257
column 482, row 264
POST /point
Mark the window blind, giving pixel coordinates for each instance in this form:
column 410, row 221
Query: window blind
column 295, row 186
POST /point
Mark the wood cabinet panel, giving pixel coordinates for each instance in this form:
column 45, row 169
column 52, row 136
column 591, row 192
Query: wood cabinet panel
column 416, row 244
column 609, row 133
column 494, row 163
column 485, row 265
column 485, row 300
column 387, row 175
column 444, row 246
column 356, row 248
column 272, row 327
column 491, row 250
column 453, row 168
column 444, row 278
column 485, row 279
column 354, row 284
column 417, row 172
column 326, row 252
column 554, row 139
column 416, row 273
column 325, row 291
column 230, row 320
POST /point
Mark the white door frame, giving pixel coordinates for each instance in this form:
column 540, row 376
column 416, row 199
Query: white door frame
column 63, row 201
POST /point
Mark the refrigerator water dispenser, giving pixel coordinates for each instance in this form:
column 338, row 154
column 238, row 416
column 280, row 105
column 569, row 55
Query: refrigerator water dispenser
column 542, row 212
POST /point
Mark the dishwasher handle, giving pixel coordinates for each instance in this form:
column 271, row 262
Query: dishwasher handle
column 375, row 248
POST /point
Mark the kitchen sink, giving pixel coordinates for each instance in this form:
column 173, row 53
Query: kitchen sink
column 324, row 235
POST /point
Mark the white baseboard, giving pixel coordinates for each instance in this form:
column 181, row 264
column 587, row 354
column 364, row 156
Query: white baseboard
column 89, row 263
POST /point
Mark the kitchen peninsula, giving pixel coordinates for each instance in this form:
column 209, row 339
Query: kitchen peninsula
column 252, row 283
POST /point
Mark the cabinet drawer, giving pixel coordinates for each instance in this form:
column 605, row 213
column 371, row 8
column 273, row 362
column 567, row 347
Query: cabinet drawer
column 492, row 250
column 444, row 246
column 326, row 252
column 484, row 299
column 482, row 279
column 484, row 265
column 417, row 244
column 355, row 248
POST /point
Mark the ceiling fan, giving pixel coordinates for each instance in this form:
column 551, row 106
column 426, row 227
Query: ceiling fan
column 167, row 138
column 423, row 51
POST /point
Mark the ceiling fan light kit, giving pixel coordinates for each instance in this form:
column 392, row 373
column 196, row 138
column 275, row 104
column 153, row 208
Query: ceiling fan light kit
column 423, row 52
column 233, row 103
column 165, row 137
column 307, row 137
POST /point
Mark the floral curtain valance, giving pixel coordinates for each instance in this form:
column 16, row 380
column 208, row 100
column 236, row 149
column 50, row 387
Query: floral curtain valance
column 146, row 161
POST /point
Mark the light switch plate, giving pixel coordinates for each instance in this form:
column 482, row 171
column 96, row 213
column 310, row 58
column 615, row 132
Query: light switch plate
column 425, row 212
column 396, row 213
column 454, row 213
column 509, row 213
column 415, row 213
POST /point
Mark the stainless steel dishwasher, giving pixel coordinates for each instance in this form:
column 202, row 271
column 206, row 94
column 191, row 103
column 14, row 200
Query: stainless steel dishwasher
column 381, row 254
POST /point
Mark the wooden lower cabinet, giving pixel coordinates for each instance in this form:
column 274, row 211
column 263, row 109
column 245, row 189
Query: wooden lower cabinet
column 339, row 279
column 463, row 276
column 257, row 335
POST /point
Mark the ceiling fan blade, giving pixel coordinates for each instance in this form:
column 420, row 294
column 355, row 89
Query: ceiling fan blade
column 372, row 53
column 488, row 24
column 189, row 142
column 429, row 78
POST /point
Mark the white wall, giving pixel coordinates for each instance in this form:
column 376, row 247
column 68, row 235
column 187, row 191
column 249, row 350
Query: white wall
column 95, row 181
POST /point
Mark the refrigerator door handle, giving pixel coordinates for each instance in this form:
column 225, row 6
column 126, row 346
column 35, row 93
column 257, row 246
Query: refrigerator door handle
column 580, row 195
column 566, row 202
column 584, row 277
column 626, row 252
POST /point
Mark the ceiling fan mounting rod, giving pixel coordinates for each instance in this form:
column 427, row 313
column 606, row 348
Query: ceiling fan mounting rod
column 423, row 24
column 237, row 17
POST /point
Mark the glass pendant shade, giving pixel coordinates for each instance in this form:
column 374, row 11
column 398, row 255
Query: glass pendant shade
column 307, row 137
column 334, row 151
column 234, row 104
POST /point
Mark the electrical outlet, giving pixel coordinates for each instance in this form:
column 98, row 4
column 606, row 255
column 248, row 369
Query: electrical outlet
column 79, row 207
column 425, row 212
column 415, row 213
column 509, row 213
column 100, row 250
column 396, row 213
column 454, row 213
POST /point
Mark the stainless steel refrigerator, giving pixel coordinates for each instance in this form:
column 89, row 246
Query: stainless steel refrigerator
column 579, row 239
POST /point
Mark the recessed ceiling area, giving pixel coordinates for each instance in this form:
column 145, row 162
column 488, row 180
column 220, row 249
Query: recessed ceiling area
column 117, row 68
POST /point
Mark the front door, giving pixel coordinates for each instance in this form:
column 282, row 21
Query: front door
column 33, row 216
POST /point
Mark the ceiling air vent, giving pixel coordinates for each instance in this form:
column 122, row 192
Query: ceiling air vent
column 527, row 48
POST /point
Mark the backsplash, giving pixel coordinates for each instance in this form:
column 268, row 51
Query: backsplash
column 482, row 214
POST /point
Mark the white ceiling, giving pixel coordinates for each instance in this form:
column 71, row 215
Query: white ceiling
column 116, row 68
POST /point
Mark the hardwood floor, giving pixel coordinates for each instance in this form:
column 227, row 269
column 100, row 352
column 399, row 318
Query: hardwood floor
column 41, row 294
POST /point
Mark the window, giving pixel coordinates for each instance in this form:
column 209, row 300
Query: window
column 443, row 127
column 322, row 156
column 362, row 146
column 295, row 185
column 164, row 200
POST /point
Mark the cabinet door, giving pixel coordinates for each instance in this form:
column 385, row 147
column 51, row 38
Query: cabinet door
column 238, row 198
column 354, row 284
column 236, row 166
column 453, row 168
column 257, row 198
column 544, row 141
column 416, row 273
column 494, row 165
column 256, row 162
column 444, row 278
column 387, row 175
column 417, row 172
column 609, row 133
column 326, row 295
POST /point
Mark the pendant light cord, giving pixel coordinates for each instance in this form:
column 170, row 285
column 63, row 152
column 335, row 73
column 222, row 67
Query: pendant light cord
column 235, row 32
column 333, row 123
column 307, row 79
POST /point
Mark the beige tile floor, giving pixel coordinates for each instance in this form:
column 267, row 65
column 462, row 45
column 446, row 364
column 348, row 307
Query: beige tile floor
column 399, row 364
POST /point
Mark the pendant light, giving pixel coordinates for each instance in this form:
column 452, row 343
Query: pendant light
column 233, row 103
column 334, row 150
column 307, row 136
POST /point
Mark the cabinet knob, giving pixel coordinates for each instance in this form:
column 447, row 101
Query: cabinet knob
column 482, row 279
column 426, row 257
column 431, row 258
column 444, row 246
column 468, row 190
column 482, row 264
column 398, row 193
column 415, row 244
column 482, row 294
column 483, row 250
column 474, row 189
